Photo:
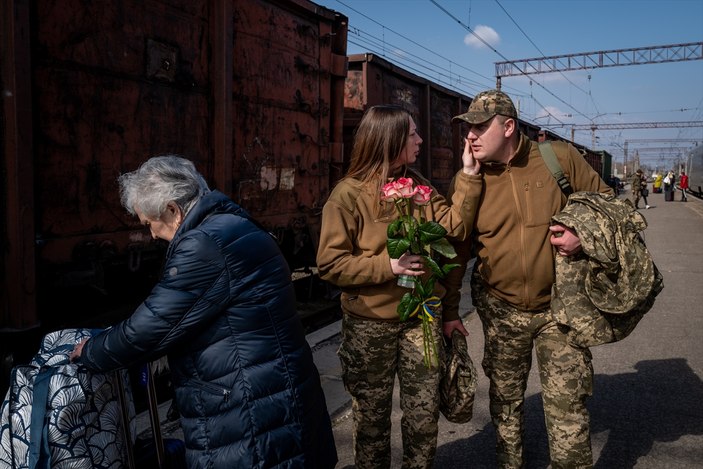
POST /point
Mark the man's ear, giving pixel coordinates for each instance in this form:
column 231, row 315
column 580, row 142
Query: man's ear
column 510, row 126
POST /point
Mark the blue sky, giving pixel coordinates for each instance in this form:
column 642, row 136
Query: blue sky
column 431, row 38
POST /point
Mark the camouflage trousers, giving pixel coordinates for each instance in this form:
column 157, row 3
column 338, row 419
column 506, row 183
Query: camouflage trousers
column 636, row 195
column 565, row 372
column 636, row 198
column 371, row 354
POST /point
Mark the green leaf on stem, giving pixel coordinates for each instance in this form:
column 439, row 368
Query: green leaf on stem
column 428, row 287
column 407, row 305
column 395, row 229
column 431, row 231
column 434, row 266
column 397, row 247
column 420, row 290
column 445, row 248
column 446, row 268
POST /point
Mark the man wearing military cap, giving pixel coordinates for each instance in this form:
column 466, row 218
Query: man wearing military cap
column 514, row 245
column 487, row 104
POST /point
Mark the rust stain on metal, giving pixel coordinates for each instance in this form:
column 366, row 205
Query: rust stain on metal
column 269, row 178
column 287, row 179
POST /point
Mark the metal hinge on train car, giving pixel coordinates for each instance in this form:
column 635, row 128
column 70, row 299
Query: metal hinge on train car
column 161, row 60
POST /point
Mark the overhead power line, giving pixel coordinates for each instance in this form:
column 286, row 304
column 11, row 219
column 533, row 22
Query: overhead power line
column 535, row 45
column 381, row 45
column 477, row 36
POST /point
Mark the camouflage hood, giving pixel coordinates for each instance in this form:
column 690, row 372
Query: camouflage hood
column 602, row 293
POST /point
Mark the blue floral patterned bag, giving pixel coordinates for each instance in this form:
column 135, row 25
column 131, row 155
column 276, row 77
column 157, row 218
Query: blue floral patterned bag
column 57, row 414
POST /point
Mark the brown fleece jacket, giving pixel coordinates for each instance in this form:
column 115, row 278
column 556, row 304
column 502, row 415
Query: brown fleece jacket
column 352, row 250
column 511, row 233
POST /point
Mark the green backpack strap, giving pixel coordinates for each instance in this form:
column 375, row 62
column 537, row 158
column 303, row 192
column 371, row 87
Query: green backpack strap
column 550, row 159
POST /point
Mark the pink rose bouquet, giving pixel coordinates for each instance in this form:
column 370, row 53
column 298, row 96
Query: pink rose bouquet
column 423, row 237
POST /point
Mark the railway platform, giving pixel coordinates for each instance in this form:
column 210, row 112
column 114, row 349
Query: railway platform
column 646, row 408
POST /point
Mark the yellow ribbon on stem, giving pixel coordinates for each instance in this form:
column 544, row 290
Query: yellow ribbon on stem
column 427, row 310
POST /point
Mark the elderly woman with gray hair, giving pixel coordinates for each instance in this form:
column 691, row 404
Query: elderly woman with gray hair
column 223, row 311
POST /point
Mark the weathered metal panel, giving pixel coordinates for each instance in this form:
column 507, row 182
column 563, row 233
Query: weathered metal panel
column 17, row 292
column 93, row 127
column 443, row 142
column 251, row 91
column 288, row 106
column 695, row 171
column 607, row 165
column 114, row 83
column 282, row 97
column 595, row 159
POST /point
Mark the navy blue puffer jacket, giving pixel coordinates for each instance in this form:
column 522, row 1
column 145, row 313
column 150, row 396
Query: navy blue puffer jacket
column 224, row 311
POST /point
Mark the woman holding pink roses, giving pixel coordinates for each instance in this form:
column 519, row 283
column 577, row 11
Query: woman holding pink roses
column 359, row 223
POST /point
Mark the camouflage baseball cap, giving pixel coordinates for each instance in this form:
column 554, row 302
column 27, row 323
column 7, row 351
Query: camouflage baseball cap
column 487, row 104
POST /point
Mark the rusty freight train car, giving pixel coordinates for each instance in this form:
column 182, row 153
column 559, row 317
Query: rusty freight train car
column 372, row 80
column 600, row 161
column 251, row 91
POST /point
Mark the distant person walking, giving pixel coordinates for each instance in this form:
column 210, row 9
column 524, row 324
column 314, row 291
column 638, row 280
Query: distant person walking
column 638, row 184
column 683, row 185
column 669, row 181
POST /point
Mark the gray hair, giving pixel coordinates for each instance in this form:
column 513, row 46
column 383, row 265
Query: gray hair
column 158, row 181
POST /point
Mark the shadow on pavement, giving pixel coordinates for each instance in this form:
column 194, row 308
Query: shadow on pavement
column 660, row 402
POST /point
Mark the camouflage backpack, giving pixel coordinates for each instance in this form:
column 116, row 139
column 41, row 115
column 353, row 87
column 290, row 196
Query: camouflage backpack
column 602, row 293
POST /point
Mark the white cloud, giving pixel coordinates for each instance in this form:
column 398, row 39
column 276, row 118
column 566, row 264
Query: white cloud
column 486, row 33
